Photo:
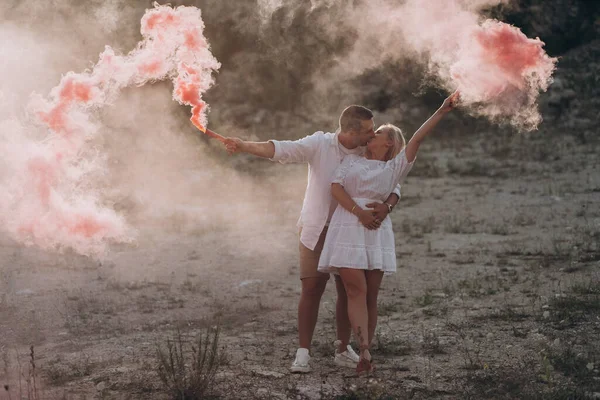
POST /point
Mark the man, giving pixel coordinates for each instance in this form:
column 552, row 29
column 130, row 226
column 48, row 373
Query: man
column 323, row 152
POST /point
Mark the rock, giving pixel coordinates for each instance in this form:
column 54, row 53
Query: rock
column 546, row 314
column 556, row 341
column 249, row 282
column 538, row 337
column 266, row 373
column 101, row 386
column 309, row 392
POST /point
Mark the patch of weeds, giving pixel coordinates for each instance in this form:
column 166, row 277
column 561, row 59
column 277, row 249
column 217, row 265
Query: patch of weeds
column 369, row 390
column 491, row 383
column 26, row 385
column 573, row 366
column 190, row 286
column 322, row 348
column 423, row 226
column 523, row 220
column 431, row 343
column 436, row 311
column 448, row 287
column 390, row 345
column 428, row 168
column 470, row 350
column 591, row 288
column 59, row 372
column 477, row 287
column 473, row 168
column 463, row 259
column 460, row 225
column 187, row 368
column 504, row 314
column 517, row 382
column 560, row 248
column 86, row 313
column 426, row 300
column 567, row 362
column 387, row 309
column 569, row 309
column 411, row 229
column 428, row 224
column 501, row 229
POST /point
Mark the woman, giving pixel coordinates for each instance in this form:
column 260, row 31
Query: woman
column 360, row 255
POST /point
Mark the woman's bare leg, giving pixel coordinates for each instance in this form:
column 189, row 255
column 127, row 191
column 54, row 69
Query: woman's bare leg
column 355, row 284
column 374, row 278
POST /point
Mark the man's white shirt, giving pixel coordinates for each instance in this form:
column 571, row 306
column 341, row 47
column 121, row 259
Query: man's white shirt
column 324, row 153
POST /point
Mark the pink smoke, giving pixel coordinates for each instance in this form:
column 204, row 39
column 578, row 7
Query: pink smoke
column 48, row 202
column 498, row 70
column 501, row 71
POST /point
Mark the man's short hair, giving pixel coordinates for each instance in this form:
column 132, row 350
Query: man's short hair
column 352, row 117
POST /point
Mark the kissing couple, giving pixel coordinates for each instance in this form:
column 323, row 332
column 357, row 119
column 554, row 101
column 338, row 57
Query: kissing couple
column 354, row 177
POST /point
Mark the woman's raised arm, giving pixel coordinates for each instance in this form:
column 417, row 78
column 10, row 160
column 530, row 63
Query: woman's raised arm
column 413, row 145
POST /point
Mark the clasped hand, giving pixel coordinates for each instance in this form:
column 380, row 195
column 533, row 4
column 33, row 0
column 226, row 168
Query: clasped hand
column 371, row 218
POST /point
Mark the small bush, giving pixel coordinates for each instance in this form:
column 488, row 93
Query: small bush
column 188, row 370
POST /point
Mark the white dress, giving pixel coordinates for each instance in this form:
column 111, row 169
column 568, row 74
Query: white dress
column 348, row 243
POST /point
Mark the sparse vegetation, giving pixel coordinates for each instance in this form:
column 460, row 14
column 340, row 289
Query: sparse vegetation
column 568, row 309
column 187, row 367
column 497, row 238
column 460, row 224
column 388, row 343
column 424, row 300
column 431, row 343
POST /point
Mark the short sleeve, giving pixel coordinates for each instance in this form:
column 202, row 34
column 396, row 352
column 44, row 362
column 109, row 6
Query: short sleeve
column 340, row 173
column 296, row 151
column 396, row 191
column 401, row 166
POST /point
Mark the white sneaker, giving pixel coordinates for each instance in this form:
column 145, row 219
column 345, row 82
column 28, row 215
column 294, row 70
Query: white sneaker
column 300, row 364
column 348, row 358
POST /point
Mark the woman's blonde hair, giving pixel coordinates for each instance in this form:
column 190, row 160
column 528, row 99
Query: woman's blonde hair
column 396, row 136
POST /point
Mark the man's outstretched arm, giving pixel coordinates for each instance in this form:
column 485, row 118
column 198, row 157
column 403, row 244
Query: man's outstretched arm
column 259, row 149
column 284, row 151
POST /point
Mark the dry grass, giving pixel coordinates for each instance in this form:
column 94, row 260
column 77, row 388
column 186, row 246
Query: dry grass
column 187, row 367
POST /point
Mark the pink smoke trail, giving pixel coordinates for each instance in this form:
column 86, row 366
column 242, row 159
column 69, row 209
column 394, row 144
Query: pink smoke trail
column 499, row 71
column 49, row 203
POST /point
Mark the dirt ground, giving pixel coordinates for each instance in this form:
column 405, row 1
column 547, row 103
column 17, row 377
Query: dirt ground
column 497, row 293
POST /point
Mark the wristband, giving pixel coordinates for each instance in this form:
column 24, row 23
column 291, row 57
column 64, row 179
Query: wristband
column 390, row 207
column 352, row 212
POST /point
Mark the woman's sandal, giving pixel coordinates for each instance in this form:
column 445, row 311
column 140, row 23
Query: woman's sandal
column 365, row 366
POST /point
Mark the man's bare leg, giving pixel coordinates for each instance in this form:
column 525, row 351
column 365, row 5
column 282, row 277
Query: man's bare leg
column 342, row 322
column 308, row 308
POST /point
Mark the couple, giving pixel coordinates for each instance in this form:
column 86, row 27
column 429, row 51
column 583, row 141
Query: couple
column 353, row 184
